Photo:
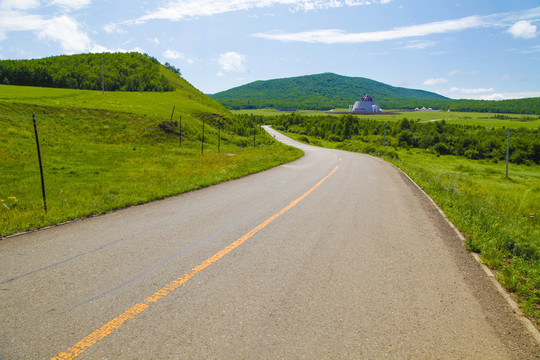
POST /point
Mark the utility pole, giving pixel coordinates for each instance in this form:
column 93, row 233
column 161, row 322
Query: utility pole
column 174, row 106
column 40, row 165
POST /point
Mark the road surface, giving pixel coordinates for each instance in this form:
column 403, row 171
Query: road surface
column 334, row 256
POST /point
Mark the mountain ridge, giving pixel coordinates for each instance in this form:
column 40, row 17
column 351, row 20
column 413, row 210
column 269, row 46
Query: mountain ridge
column 318, row 91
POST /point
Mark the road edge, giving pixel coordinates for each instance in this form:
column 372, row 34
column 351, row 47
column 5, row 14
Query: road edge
column 531, row 328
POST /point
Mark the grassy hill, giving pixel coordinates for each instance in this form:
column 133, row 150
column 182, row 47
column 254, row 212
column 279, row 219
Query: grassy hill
column 107, row 151
column 321, row 91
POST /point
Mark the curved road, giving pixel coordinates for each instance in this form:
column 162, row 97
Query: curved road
column 337, row 255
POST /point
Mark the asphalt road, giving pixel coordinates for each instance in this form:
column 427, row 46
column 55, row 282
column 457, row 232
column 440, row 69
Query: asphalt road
column 334, row 256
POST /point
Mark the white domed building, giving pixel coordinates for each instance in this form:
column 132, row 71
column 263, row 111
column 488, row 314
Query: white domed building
column 366, row 105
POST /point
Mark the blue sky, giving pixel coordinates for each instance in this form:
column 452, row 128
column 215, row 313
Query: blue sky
column 474, row 49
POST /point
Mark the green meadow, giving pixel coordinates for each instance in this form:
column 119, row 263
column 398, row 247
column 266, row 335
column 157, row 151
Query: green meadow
column 104, row 152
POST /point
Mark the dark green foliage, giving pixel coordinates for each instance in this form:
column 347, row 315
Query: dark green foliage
column 331, row 91
column 173, row 69
column 473, row 142
column 322, row 91
column 121, row 72
column 516, row 106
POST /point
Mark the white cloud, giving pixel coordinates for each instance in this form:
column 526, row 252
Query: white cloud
column 173, row 54
column 334, row 36
column 472, row 91
column 18, row 21
column 232, row 62
column 437, row 81
column 418, row 44
column 337, row 36
column 19, row 4
column 66, row 31
column 63, row 29
column 523, row 30
column 189, row 9
column 71, row 4
column 460, row 73
column 113, row 28
column 532, row 50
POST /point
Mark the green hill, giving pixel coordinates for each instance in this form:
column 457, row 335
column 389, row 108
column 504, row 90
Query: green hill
column 104, row 151
column 319, row 92
column 134, row 83
column 113, row 71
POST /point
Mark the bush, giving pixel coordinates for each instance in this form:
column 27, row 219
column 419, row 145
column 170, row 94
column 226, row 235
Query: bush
column 441, row 149
column 472, row 154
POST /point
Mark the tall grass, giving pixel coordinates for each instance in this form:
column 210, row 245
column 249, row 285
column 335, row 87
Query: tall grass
column 95, row 161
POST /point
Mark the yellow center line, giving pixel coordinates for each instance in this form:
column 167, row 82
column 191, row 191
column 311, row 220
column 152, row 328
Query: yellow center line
column 111, row 326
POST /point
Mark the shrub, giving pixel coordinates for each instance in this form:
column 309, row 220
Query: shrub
column 441, row 149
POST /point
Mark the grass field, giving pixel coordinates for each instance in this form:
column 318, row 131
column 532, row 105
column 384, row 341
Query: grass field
column 499, row 216
column 103, row 152
column 152, row 104
column 489, row 120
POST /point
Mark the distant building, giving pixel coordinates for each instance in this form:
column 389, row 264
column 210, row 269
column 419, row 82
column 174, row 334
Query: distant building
column 366, row 105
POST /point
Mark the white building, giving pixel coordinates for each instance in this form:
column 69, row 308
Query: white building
column 365, row 105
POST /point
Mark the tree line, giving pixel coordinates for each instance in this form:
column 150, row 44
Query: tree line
column 318, row 102
column 115, row 71
column 473, row 142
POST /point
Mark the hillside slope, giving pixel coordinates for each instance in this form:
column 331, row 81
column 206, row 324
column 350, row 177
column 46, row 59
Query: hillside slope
column 104, row 151
column 321, row 91
column 134, row 83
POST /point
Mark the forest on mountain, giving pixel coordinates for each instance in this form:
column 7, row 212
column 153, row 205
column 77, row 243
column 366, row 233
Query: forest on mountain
column 113, row 71
column 330, row 91
column 317, row 92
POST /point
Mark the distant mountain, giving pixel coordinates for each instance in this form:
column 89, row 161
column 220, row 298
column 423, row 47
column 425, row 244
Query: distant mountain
column 321, row 91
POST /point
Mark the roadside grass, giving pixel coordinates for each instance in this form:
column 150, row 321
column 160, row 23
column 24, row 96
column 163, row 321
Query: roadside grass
column 499, row 216
column 95, row 161
column 488, row 120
